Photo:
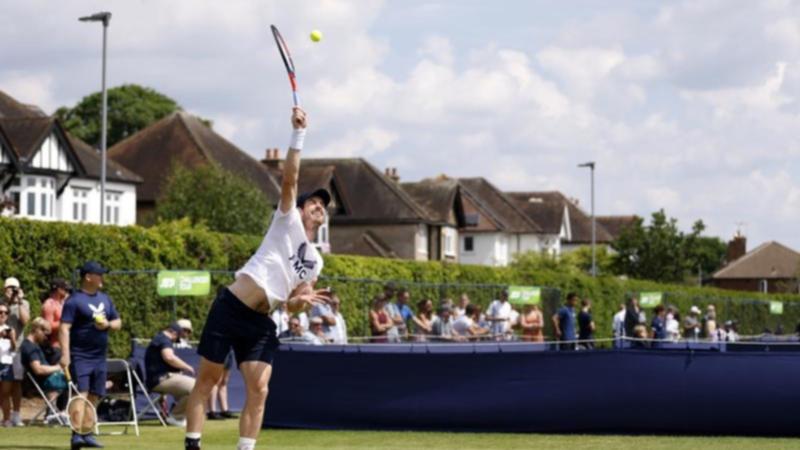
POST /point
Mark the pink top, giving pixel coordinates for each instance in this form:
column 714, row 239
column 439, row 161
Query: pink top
column 51, row 312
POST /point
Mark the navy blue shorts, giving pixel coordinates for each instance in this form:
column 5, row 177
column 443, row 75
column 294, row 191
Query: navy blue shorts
column 231, row 324
column 89, row 376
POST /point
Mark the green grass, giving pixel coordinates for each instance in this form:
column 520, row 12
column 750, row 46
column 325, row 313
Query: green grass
column 223, row 435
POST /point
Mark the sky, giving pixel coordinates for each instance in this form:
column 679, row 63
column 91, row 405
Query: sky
column 690, row 106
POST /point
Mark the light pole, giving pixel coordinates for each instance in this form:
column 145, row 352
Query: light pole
column 104, row 17
column 590, row 165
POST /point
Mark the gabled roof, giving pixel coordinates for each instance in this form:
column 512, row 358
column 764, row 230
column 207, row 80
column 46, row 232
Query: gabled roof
column 437, row 197
column 547, row 209
column 91, row 161
column 616, row 224
column 495, row 204
column 366, row 194
column 181, row 138
column 10, row 108
column 768, row 260
column 26, row 134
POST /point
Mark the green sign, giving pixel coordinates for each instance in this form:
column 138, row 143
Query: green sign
column 524, row 295
column 173, row 283
column 650, row 299
column 776, row 308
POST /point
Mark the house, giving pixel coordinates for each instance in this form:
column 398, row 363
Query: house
column 441, row 199
column 47, row 174
column 370, row 214
column 560, row 220
column 770, row 267
column 181, row 138
column 615, row 225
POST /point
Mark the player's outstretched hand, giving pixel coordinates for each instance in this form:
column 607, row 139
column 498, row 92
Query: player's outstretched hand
column 299, row 120
column 303, row 299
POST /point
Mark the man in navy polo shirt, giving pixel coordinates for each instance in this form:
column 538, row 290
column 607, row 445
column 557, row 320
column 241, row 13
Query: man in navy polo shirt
column 564, row 323
column 87, row 317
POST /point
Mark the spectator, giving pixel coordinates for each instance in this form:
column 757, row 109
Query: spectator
column 185, row 335
column 673, row 324
column 49, row 377
column 532, row 324
column 218, row 397
column 586, row 325
column 658, row 326
column 317, row 331
column 467, row 325
column 442, row 326
column 640, row 335
column 632, row 315
column 337, row 334
column 19, row 313
column 731, row 334
column 323, row 312
column 281, row 318
column 618, row 325
column 393, row 334
column 297, row 333
column 461, row 309
column 423, row 321
column 710, row 322
column 8, row 346
column 85, row 322
column 564, row 323
column 691, row 324
column 164, row 371
column 379, row 320
column 719, row 334
column 52, row 306
column 499, row 316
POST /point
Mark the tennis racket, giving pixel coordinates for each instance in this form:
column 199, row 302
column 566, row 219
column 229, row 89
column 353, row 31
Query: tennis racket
column 81, row 412
column 287, row 61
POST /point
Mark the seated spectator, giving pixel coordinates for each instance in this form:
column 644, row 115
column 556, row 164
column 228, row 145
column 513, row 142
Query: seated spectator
column 691, row 324
column 296, row 333
column 731, row 335
column 499, row 316
column 719, row 334
column 461, row 309
column 467, row 326
column 532, row 324
column 640, row 333
column 379, row 321
column 586, row 325
column 281, row 318
column 336, row 334
column 185, row 335
column 423, row 320
column 50, row 377
column 317, row 331
column 163, row 368
column 659, row 324
column 442, row 326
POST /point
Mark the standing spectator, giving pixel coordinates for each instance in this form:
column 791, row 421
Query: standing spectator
column 461, row 309
column 85, row 323
column 49, row 376
column 52, row 306
column 618, row 325
column 532, row 324
column 281, row 318
column 442, row 327
column 218, row 397
column 586, row 324
column 658, row 326
column 673, row 324
column 691, row 324
column 467, row 325
column 719, row 334
column 564, row 323
column 401, row 313
column 393, row 334
column 499, row 316
column 8, row 345
column 379, row 320
column 633, row 315
column 423, row 321
column 164, row 367
column 337, row 334
column 710, row 322
column 19, row 313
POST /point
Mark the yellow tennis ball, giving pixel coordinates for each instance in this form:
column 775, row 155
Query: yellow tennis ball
column 316, row 35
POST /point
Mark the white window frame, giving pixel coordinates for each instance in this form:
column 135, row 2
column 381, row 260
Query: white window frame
column 113, row 206
column 421, row 240
column 450, row 240
column 80, row 203
column 36, row 196
column 322, row 241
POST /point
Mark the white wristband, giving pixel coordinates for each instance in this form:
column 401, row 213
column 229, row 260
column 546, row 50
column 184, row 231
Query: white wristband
column 298, row 136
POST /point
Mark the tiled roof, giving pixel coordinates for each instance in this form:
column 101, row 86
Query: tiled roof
column 768, row 260
column 547, row 209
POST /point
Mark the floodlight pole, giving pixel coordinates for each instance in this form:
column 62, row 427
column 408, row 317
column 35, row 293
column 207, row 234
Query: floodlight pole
column 590, row 165
column 105, row 18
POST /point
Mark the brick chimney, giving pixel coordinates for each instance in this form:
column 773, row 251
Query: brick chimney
column 737, row 247
column 391, row 172
column 273, row 160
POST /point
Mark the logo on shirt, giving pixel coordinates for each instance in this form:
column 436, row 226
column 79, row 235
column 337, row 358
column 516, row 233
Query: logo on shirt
column 300, row 264
column 99, row 310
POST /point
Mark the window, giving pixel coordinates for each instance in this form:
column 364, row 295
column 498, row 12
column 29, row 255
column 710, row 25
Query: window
column 421, row 241
column 450, row 240
column 112, row 207
column 763, row 286
column 36, row 195
column 469, row 243
column 31, row 204
column 80, row 203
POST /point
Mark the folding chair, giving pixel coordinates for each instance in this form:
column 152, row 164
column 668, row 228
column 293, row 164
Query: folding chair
column 138, row 374
column 49, row 406
column 122, row 377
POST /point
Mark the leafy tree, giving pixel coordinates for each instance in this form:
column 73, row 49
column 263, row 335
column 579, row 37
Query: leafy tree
column 215, row 197
column 661, row 252
column 130, row 108
column 581, row 259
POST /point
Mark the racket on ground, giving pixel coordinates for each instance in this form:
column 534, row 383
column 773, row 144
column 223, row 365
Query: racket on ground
column 287, row 61
column 81, row 412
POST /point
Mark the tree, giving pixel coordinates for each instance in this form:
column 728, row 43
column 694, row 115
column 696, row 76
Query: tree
column 661, row 252
column 215, row 197
column 130, row 108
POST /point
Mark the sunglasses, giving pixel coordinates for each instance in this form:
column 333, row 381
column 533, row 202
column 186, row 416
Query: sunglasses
column 4, row 312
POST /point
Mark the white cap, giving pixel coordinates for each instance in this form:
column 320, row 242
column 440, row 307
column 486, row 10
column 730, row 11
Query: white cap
column 694, row 310
column 11, row 282
column 185, row 324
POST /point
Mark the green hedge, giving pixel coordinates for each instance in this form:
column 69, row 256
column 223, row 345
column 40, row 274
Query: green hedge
column 36, row 251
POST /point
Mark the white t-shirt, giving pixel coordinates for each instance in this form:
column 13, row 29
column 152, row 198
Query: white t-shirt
column 281, row 319
column 285, row 258
column 462, row 325
column 619, row 324
column 499, row 310
column 338, row 333
column 6, row 355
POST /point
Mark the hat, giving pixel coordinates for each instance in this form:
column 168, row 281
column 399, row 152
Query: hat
column 93, row 267
column 321, row 193
column 694, row 310
column 59, row 283
column 185, row 324
column 175, row 326
column 11, row 282
column 316, row 321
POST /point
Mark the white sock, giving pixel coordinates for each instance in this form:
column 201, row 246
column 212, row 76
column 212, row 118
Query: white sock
column 246, row 444
column 14, row 415
column 193, row 435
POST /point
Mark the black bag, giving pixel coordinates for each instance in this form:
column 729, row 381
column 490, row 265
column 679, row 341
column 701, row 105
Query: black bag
column 114, row 410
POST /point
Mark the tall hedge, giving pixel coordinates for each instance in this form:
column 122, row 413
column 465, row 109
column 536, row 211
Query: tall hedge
column 35, row 252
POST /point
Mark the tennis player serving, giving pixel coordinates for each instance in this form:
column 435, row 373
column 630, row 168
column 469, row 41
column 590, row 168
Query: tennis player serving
column 283, row 269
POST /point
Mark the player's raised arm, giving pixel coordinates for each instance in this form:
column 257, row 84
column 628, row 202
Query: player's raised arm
column 291, row 167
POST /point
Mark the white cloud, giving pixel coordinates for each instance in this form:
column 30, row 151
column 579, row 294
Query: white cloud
column 364, row 143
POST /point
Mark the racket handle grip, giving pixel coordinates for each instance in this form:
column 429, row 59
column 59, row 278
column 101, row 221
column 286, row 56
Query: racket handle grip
column 295, row 98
